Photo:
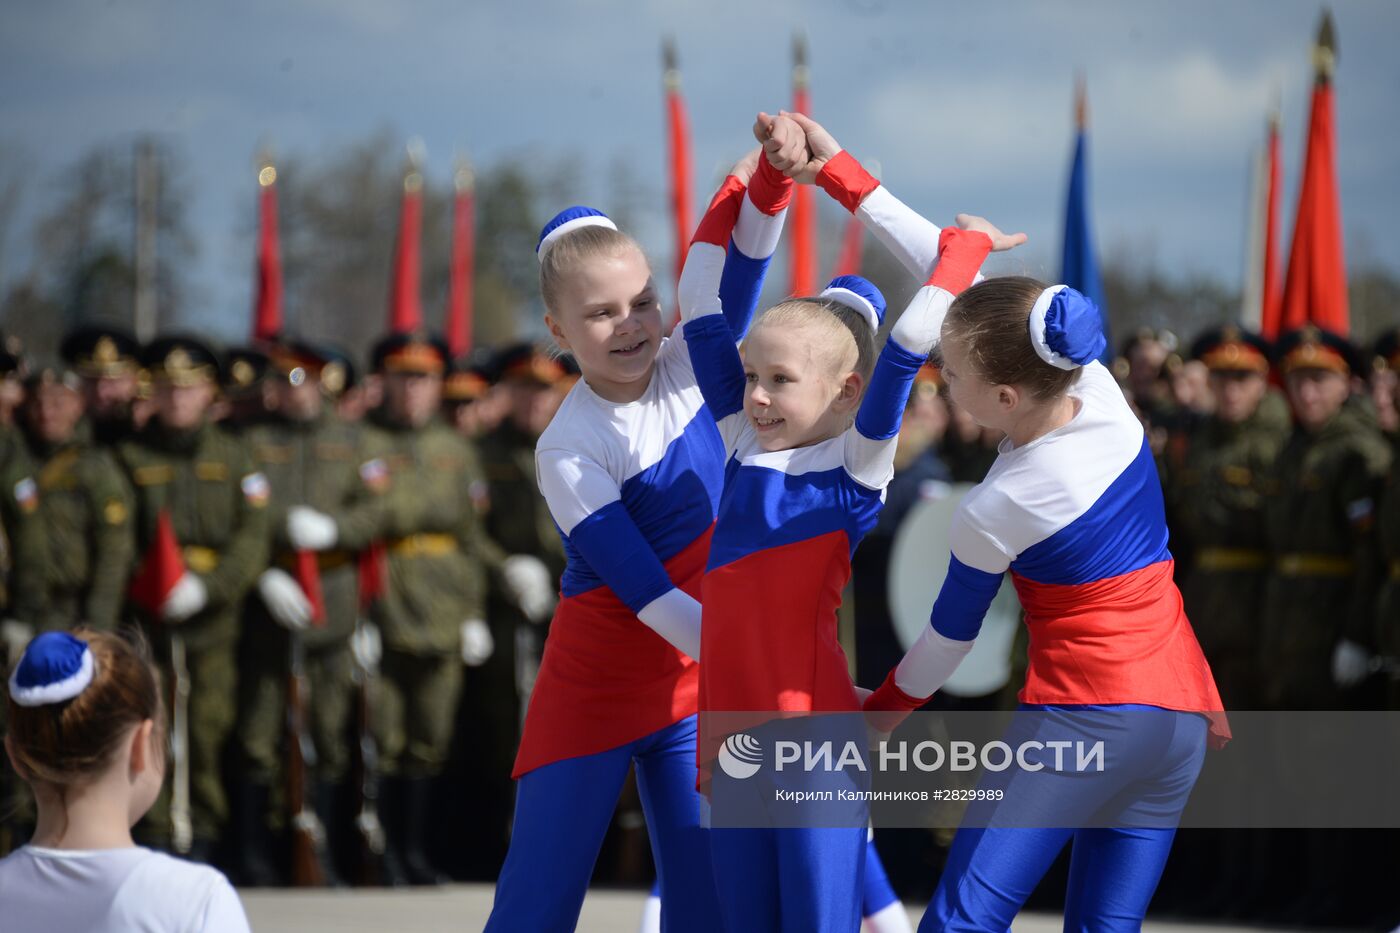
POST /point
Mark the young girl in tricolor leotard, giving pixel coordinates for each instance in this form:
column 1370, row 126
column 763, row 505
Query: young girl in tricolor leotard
column 809, row 420
column 1073, row 508
column 630, row 467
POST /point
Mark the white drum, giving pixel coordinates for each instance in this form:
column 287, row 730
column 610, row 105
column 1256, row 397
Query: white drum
column 918, row 564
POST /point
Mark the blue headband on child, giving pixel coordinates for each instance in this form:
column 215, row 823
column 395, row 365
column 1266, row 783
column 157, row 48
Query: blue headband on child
column 55, row 667
column 1066, row 328
column 859, row 295
column 570, row 218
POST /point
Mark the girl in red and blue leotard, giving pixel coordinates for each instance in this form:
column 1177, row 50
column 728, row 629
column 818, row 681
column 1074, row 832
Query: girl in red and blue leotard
column 1073, row 509
column 631, row 468
column 810, row 449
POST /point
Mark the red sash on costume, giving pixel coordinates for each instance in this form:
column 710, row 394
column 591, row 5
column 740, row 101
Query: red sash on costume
column 606, row 679
column 1123, row 639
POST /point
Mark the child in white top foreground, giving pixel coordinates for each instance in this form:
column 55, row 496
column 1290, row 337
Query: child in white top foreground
column 86, row 732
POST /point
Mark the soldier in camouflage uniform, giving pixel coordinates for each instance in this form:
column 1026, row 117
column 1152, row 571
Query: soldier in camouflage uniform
column 106, row 359
column 319, row 503
column 1320, row 509
column 1216, row 503
column 430, row 615
column 84, row 507
column 182, row 465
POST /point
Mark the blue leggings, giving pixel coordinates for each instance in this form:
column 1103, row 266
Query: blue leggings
column 562, row 811
column 877, row 893
column 789, row 880
column 1153, row 760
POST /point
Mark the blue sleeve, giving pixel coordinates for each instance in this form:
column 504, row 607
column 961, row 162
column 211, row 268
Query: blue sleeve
column 622, row 558
column 740, row 285
column 963, row 601
column 719, row 370
column 882, row 409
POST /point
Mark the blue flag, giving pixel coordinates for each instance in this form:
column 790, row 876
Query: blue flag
column 1080, row 268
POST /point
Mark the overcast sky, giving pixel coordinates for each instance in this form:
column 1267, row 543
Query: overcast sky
column 966, row 106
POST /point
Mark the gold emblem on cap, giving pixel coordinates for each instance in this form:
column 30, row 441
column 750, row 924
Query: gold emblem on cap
column 333, row 378
column 243, row 373
column 105, row 351
column 178, row 361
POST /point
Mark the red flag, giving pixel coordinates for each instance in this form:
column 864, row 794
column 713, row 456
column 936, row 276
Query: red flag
column 1271, row 307
column 678, row 137
column 852, row 244
column 405, row 311
column 372, row 573
column 267, row 312
column 309, row 579
column 458, row 323
column 1316, row 287
column 161, row 568
column 803, row 268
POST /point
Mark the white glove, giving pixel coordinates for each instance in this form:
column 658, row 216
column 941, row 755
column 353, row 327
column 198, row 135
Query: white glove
column 1350, row 663
column 285, row 601
column 530, row 586
column 366, row 645
column 675, row 616
column 187, row 597
column 15, row 635
column 310, row 530
column 477, row 643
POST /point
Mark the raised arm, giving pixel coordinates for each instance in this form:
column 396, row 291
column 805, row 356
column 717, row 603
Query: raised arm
column 870, row 445
column 747, row 222
column 586, row 504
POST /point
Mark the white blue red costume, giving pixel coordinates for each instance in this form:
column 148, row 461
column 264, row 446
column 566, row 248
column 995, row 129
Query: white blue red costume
column 1076, row 516
column 633, row 489
column 788, row 523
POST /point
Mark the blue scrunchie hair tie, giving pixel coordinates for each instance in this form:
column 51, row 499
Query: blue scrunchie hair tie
column 1066, row 328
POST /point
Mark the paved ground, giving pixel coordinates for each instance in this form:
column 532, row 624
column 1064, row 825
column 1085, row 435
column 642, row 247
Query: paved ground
column 464, row 908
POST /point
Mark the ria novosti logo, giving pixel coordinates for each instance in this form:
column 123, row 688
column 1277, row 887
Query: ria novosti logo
column 740, row 756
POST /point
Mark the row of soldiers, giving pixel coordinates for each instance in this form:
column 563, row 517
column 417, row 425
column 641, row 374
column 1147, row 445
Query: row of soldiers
column 1284, row 510
column 335, row 528
column 1282, row 479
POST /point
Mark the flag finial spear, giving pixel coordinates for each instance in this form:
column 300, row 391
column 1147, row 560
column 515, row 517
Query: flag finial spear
column 1325, row 50
column 800, row 74
column 1081, row 102
column 670, row 64
column 267, row 172
column 463, row 176
column 412, row 177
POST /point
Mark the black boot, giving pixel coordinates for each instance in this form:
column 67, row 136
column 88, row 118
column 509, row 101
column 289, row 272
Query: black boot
column 391, row 816
column 330, row 812
column 415, row 850
column 256, row 867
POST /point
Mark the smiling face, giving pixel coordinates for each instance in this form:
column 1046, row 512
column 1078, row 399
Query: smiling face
column 606, row 312
column 800, row 389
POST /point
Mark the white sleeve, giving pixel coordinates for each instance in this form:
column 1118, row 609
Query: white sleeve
column 224, row 911
column 675, row 616
column 910, row 237
column 573, row 486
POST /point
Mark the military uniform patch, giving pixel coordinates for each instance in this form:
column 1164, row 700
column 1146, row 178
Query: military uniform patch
column 256, row 489
column 27, row 494
column 375, row 474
